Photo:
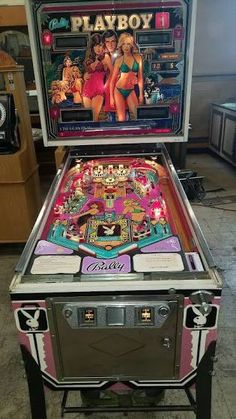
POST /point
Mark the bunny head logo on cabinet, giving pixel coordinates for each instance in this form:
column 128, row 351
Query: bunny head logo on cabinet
column 200, row 319
column 195, row 318
column 31, row 319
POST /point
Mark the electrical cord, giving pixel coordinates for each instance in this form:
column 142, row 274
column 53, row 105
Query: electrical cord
column 194, row 189
column 215, row 190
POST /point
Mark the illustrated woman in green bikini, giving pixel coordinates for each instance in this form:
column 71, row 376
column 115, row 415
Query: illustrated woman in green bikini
column 127, row 73
column 133, row 208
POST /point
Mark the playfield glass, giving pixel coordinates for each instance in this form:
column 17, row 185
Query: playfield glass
column 115, row 215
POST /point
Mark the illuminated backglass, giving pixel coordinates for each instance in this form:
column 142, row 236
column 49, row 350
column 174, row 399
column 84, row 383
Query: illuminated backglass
column 111, row 72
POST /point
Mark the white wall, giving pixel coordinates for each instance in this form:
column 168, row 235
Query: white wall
column 214, row 67
column 215, row 51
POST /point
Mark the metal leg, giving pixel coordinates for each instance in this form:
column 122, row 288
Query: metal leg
column 63, row 403
column 204, row 383
column 191, row 399
column 178, row 154
column 202, row 405
column 35, row 385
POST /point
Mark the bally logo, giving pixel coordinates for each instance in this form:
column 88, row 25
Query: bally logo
column 92, row 265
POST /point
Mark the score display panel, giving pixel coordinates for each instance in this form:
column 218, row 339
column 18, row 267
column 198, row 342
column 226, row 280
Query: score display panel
column 111, row 71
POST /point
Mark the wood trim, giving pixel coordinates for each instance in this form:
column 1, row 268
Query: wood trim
column 12, row 16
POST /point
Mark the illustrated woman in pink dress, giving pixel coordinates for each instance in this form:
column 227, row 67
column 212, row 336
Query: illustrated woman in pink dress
column 98, row 68
column 127, row 74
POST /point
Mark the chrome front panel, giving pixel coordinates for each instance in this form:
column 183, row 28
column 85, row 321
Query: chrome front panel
column 116, row 337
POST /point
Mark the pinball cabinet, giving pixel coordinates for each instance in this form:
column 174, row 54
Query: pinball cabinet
column 116, row 290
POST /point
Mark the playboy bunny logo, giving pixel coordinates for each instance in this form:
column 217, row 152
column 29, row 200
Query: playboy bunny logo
column 201, row 319
column 109, row 231
column 31, row 318
column 32, row 321
column 196, row 318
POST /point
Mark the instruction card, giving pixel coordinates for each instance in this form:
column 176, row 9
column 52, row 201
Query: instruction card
column 56, row 265
column 158, row 262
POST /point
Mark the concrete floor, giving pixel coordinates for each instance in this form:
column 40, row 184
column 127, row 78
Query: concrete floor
column 218, row 224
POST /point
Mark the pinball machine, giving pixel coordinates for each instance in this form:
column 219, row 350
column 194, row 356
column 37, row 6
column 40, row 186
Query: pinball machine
column 116, row 287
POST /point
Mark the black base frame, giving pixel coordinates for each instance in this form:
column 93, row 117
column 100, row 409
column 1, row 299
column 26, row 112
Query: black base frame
column 200, row 404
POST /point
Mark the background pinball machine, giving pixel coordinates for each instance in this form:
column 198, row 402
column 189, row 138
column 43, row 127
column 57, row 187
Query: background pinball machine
column 116, row 288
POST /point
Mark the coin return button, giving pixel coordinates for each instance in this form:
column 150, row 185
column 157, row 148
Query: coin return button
column 115, row 316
